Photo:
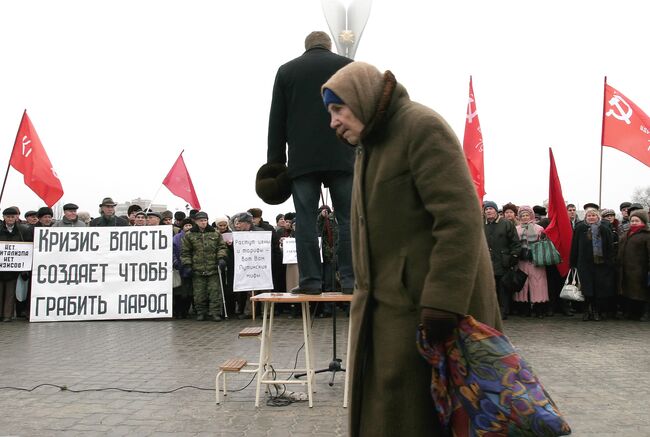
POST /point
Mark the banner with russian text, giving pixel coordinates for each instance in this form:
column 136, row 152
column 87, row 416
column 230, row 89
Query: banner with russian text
column 101, row 273
column 15, row 256
column 290, row 253
column 252, row 251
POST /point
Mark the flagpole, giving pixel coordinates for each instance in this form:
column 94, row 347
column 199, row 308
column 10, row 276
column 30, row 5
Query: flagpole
column 12, row 152
column 153, row 198
column 602, row 139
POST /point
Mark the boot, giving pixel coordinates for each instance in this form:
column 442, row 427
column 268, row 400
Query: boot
column 586, row 316
column 646, row 314
column 595, row 313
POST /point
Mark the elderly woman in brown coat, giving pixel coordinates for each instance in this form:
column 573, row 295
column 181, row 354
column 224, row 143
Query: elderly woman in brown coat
column 634, row 265
column 434, row 270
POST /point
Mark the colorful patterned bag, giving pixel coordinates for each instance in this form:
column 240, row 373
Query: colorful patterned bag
column 482, row 387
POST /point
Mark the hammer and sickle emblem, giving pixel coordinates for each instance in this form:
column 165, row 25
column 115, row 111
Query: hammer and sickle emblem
column 27, row 149
column 470, row 114
column 620, row 115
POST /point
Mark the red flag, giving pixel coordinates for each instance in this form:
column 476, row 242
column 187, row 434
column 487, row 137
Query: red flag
column 179, row 182
column 559, row 230
column 30, row 159
column 473, row 144
column 625, row 126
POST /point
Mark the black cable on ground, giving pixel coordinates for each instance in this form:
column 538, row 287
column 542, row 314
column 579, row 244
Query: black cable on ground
column 127, row 390
column 279, row 400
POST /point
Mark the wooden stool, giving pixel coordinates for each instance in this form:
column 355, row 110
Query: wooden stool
column 233, row 365
column 252, row 331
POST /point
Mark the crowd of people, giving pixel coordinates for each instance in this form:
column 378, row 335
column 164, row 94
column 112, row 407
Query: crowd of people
column 610, row 255
column 203, row 256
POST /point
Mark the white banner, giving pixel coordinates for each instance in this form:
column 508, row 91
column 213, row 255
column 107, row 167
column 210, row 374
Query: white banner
column 102, row 273
column 290, row 254
column 252, row 260
column 15, row 256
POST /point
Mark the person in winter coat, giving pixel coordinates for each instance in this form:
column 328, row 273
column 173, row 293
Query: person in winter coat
column 298, row 121
column 182, row 294
column 535, row 291
column 204, row 251
column 431, row 273
column 11, row 230
column 108, row 217
column 329, row 232
column 504, row 247
column 634, row 266
column 45, row 217
column 510, row 213
column 592, row 253
column 70, row 218
column 228, row 274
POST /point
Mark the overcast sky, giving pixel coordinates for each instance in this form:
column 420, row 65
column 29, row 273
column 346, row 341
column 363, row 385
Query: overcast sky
column 116, row 89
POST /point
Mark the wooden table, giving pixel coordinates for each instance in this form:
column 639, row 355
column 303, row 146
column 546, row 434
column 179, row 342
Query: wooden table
column 270, row 299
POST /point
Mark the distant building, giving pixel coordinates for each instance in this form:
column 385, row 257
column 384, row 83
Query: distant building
column 123, row 207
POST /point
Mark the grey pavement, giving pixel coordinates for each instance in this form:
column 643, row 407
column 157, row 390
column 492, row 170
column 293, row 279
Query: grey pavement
column 598, row 373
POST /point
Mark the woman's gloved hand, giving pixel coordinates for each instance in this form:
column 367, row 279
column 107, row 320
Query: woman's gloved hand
column 438, row 324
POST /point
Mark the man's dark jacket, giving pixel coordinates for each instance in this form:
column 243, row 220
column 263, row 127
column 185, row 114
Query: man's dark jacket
column 19, row 232
column 108, row 221
column 299, row 118
column 504, row 244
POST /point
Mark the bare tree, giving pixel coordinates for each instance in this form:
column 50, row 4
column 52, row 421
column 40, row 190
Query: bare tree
column 642, row 196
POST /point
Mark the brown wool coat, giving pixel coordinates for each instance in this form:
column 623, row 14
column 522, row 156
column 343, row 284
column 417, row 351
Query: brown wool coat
column 634, row 264
column 410, row 167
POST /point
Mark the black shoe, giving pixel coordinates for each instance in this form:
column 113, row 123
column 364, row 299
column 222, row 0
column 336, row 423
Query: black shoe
column 216, row 318
column 200, row 318
column 301, row 290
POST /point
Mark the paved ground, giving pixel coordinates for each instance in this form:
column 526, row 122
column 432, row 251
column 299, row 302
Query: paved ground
column 598, row 374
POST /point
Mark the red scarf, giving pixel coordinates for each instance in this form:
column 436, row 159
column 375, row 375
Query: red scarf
column 635, row 228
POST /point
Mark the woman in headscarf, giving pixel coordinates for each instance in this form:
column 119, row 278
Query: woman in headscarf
column 535, row 292
column 634, row 266
column 592, row 253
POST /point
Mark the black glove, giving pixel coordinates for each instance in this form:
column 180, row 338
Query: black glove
column 514, row 260
column 222, row 264
column 438, row 324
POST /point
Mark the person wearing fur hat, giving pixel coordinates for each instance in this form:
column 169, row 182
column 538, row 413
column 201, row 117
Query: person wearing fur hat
column 540, row 216
column 204, row 252
column 410, row 161
column 534, row 295
column 45, row 217
column 593, row 255
column 510, row 212
column 634, row 266
column 504, row 246
column 298, row 121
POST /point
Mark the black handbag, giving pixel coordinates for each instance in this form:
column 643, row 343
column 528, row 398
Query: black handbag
column 513, row 281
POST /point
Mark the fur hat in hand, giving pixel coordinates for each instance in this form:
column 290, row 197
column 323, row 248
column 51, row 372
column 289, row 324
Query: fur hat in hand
column 272, row 183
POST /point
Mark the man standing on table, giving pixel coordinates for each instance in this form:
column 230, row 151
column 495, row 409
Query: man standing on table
column 298, row 119
column 435, row 271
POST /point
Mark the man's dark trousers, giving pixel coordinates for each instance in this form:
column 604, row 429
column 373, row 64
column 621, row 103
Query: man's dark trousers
column 306, row 194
